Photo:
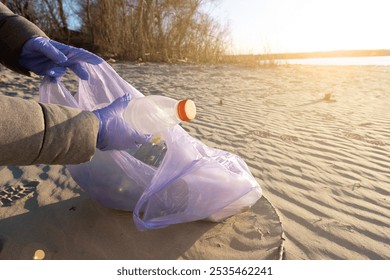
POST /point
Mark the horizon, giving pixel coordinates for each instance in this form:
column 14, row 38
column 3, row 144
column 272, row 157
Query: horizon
column 322, row 54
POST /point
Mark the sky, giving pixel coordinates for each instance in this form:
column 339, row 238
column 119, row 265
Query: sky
column 274, row 26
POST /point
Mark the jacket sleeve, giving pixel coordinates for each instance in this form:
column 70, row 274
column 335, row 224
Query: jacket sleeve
column 34, row 133
column 15, row 30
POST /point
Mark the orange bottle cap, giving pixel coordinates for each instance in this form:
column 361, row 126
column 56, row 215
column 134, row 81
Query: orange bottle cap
column 186, row 110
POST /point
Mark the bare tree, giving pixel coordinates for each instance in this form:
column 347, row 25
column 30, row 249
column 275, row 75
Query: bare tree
column 158, row 30
column 23, row 8
column 50, row 15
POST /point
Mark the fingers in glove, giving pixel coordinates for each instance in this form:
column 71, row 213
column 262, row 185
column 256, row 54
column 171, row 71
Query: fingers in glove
column 55, row 72
column 80, row 71
column 139, row 138
column 121, row 103
column 116, row 108
column 47, row 49
column 77, row 54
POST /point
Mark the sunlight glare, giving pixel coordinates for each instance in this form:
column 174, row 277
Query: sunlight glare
column 330, row 25
column 307, row 25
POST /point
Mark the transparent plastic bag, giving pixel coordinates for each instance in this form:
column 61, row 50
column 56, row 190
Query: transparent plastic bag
column 193, row 181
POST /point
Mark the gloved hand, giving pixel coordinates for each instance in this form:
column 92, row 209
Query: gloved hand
column 50, row 58
column 114, row 132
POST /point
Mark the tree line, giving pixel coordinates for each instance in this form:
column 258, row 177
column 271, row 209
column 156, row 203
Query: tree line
column 147, row 30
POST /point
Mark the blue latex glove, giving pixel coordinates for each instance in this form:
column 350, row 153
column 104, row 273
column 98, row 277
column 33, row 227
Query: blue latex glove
column 114, row 133
column 50, row 58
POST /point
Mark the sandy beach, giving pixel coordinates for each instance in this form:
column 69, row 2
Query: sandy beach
column 316, row 138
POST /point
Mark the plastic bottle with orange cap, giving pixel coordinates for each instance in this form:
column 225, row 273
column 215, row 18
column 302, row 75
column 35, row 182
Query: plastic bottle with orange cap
column 154, row 114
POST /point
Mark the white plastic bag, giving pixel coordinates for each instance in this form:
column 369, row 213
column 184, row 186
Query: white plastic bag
column 193, row 182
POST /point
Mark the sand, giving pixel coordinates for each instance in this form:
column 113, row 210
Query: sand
column 316, row 138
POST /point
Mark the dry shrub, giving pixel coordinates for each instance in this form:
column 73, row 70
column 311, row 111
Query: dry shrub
column 154, row 30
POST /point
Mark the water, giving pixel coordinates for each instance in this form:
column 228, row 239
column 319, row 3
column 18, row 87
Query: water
column 369, row 60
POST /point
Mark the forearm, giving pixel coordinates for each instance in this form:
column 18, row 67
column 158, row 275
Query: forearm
column 14, row 32
column 33, row 133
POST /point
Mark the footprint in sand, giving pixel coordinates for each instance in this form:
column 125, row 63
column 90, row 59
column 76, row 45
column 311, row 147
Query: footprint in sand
column 259, row 133
column 10, row 194
column 289, row 138
column 373, row 141
column 354, row 136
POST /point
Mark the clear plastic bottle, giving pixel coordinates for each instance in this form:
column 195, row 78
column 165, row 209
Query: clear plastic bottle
column 154, row 114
